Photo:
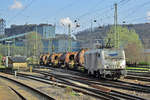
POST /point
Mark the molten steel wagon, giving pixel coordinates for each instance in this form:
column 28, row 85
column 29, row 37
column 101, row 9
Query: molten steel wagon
column 67, row 60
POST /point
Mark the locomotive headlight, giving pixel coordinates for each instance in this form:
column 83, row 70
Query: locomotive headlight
column 106, row 66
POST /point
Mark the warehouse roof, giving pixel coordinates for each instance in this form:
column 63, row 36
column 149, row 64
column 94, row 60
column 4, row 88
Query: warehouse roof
column 19, row 59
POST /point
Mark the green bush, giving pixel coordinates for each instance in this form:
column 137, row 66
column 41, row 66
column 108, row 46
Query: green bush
column 0, row 59
column 32, row 60
column 68, row 90
column 144, row 63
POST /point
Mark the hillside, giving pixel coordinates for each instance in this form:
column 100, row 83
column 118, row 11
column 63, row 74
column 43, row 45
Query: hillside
column 143, row 30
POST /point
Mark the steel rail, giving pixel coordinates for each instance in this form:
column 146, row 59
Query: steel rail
column 113, row 93
column 31, row 88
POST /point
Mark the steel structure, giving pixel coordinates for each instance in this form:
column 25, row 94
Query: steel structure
column 2, row 26
column 13, row 37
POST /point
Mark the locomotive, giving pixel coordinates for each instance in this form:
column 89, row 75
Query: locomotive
column 102, row 63
column 105, row 63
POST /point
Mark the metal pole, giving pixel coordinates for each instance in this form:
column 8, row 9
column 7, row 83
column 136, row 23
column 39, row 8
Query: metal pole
column 8, row 49
column 69, row 38
column 49, row 41
column 116, row 37
column 14, row 51
column 52, row 45
column 49, row 45
column 26, row 48
column 91, row 25
column 36, row 42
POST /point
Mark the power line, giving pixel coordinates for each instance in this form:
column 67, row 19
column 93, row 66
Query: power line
column 139, row 18
column 19, row 13
column 108, row 9
column 122, row 2
column 60, row 10
column 89, row 12
column 66, row 6
column 133, row 11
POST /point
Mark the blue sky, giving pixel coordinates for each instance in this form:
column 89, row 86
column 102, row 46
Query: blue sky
column 52, row 11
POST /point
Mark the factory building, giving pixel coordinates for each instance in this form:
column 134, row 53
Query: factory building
column 60, row 44
column 46, row 30
column 51, row 42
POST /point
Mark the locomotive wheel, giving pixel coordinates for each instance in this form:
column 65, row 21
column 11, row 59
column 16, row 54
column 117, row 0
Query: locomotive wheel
column 90, row 74
column 85, row 71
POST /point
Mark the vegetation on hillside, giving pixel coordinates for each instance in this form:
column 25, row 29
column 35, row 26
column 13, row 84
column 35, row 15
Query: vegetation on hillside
column 135, row 38
column 33, row 46
column 129, row 41
column 14, row 50
column 142, row 30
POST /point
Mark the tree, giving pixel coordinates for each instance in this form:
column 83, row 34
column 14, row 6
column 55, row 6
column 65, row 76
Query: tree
column 14, row 50
column 0, row 59
column 34, row 45
column 3, row 50
column 133, row 53
column 129, row 41
column 125, row 36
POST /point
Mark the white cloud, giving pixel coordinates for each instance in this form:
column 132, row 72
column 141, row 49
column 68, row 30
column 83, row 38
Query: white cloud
column 66, row 21
column 148, row 15
column 16, row 5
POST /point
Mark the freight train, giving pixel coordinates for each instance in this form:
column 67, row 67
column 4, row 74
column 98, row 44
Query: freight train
column 102, row 63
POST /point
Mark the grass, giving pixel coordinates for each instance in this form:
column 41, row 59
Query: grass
column 139, row 69
column 2, row 66
column 68, row 90
column 136, row 68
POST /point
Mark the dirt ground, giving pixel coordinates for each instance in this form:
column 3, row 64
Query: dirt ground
column 6, row 93
column 140, row 94
column 53, row 90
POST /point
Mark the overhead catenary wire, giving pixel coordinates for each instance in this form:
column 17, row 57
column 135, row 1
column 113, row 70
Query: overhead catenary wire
column 106, row 9
column 137, row 19
column 60, row 10
column 134, row 10
column 103, row 13
column 121, row 4
column 90, row 11
column 20, row 12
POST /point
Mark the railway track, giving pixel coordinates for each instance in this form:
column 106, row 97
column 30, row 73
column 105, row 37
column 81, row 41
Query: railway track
column 74, row 87
column 96, row 88
column 136, row 77
column 43, row 96
column 115, row 84
column 21, row 96
column 108, row 83
column 143, row 74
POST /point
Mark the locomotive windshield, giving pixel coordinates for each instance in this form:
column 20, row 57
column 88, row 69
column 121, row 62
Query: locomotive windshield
column 116, row 55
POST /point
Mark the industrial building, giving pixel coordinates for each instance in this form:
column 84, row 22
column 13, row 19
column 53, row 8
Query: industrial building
column 52, row 42
column 60, row 44
column 46, row 30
